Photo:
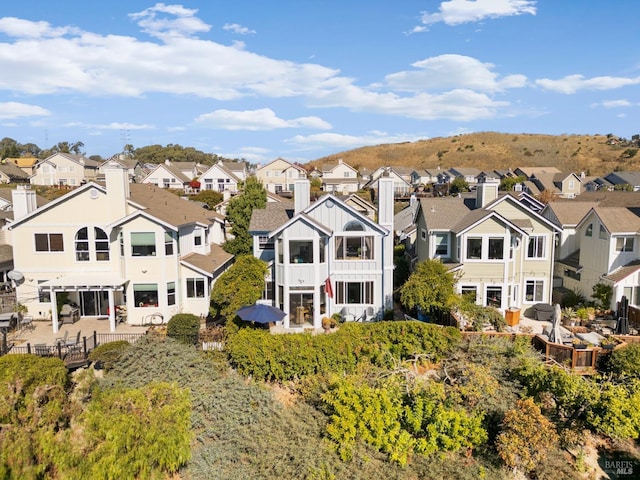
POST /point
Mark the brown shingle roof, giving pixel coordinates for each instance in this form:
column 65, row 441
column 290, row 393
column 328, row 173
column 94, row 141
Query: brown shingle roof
column 624, row 271
column 619, row 220
column 571, row 212
column 208, row 263
column 273, row 216
column 169, row 207
column 442, row 213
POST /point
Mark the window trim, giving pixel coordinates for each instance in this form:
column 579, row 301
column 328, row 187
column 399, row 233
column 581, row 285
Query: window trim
column 196, row 287
column 51, row 245
column 624, row 247
column 536, row 239
column 366, row 250
column 447, row 244
column 137, row 244
column 366, row 292
column 542, row 287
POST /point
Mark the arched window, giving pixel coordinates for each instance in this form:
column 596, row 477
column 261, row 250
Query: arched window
column 354, row 226
column 102, row 245
column 82, row 245
column 96, row 237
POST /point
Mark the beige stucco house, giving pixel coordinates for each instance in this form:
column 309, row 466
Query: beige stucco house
column 135, row 246
column 64, row 169
column 280, row 175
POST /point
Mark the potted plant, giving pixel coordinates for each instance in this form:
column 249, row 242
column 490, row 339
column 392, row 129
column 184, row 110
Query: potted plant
column 569, row 316
column 580, row 344
column 328, row 323
column 608, row 343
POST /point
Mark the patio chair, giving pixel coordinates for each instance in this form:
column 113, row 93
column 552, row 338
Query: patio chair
column 27, row 323
column 368, row 315
column 73, row 342
column 63, row 340
column 346, row 316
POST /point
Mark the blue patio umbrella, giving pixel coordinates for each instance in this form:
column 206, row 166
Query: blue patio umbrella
column 260, row 313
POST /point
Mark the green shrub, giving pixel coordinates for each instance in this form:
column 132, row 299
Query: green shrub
column 105, row 355
column 184, row 327
column 137, row 433
column 625, row 362
column 261, row 355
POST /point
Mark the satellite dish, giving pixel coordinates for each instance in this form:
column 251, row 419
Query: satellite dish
column 15, row 275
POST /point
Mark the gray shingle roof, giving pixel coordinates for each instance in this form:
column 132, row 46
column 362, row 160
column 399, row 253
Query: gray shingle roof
column 208, row 263
column 442, row 213
column 273, row 216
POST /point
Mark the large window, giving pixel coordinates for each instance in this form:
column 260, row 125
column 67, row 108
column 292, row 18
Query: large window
column 470, row 292
column 533, row 290
column 354, row 248
column 624, row 244
column 354, row 292
column 100, row 241
column 195, row 287
column 171, row 293
column 82, row 245
column 494, row 296
column 300, row 251
column 496, row 248
column 145, row 294
column 143, row 244
column 49, row 242
column 535, row 248
column 474, row 248
column 441, row 244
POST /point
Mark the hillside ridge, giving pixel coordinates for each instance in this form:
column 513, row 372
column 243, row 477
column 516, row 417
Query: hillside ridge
column 593, row 154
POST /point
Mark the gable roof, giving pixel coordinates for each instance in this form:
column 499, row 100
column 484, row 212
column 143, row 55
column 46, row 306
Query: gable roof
column 629, row 177
column 442, row 213
column 616, row 220
column 222, row 167
column 530, row 213
column 623, row 272
column 569, row 212
column 79, row 159
column 176, row 172
column 293, row 165
column 13, row 172
column 207, row 264
column 464, row 171
column 271, row 217
column 23, row 162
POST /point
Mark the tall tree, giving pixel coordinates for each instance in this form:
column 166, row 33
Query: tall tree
column 430, row 286
column 241, row 285
column 239, row 215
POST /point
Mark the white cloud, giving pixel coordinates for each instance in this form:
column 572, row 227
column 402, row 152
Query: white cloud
column 457, row 104
column 237, row 28
column 261, row 119
column 612, row 104
column 252, row 154
column 111, row 126
column 11, row 110
column 453, row 71
column 342, row 141
column 164, row 21
column 574, row 83
column 18, row 28
column 456, row 12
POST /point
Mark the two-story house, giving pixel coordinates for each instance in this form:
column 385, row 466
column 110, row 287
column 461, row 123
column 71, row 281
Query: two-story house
column 609, row 252
column 468, row 174
column 502, row 250
column 219, row 178
column 424, row 176
column 166, row 175
column 563, row 185
column 131, row 245
column 400, row 176
column 339, row 177
column 64, row 169
column 328, row 258
column 135, row 168
column 279, row 175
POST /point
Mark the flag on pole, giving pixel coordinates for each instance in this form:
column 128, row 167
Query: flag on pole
column 327, row 288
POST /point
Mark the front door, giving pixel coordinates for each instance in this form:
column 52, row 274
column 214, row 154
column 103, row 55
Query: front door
column 93, row 304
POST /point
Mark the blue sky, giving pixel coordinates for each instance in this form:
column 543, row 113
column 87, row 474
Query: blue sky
column 301, row 80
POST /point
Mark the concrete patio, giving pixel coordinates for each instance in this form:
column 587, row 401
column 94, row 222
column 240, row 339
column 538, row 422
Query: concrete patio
column 41, row 331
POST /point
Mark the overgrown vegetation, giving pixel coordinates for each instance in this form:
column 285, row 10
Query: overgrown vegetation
column 401, row 400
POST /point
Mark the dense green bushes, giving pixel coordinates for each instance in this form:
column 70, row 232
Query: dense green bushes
column 184, row 327
column 103, row 356
column 283, row 357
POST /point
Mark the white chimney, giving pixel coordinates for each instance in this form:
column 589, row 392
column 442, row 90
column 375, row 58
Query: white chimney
column 24, row 201
column 486, row 192
column 117, row 183
column 301, row 194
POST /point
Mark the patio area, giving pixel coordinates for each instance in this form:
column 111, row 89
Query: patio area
column 40, row 332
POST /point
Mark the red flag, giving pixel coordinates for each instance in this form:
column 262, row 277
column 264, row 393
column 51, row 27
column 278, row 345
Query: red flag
column 327, row 288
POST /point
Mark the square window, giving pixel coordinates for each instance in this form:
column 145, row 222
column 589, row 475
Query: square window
column 534, row 290
column 496, row 248
column 624, row 244
column 474, row 248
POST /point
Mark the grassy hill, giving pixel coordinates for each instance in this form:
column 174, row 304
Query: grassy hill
column 593, row 154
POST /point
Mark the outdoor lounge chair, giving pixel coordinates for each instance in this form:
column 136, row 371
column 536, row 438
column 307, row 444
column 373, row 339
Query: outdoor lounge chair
column 63, row 340
column 73, row 342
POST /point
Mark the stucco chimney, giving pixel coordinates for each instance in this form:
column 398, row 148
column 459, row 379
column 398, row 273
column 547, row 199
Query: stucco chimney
column 486, row 192
column 24, row 201
column 301, row 194
column 117, row 183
